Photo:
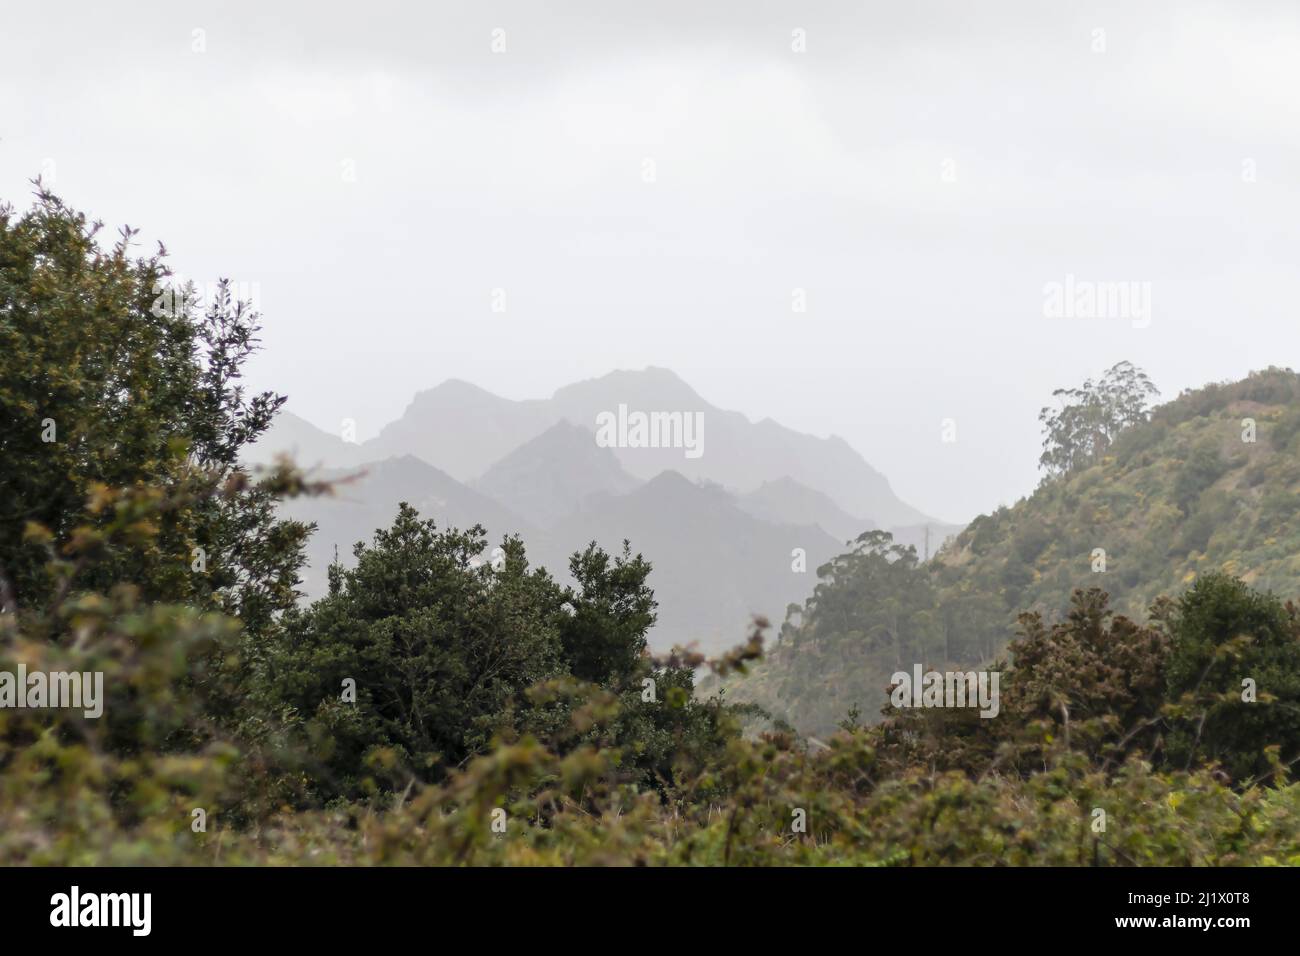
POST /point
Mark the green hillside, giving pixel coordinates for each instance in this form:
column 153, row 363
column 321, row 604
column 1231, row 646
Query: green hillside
column 1186, row 491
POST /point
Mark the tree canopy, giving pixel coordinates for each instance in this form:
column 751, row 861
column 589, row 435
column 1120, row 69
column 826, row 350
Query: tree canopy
column 1089, row 417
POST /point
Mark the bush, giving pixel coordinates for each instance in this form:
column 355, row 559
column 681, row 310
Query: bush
column 1224, row 634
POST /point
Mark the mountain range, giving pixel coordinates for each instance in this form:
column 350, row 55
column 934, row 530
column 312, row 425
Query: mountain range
column 723, row 530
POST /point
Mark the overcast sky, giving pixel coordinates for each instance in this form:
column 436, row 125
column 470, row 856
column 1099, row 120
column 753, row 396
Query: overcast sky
column 920, row 170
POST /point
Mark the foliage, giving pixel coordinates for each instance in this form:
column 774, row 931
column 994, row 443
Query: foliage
column 1224, row 635
column 1178, row 497
column 433, row 644
column 422, row 655
column 1090, row 417
column 500, row 718
column 122, row 787
column 99, row 386
column 603, row 633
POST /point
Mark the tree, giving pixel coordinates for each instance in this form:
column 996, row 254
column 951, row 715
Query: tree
column 613, row 608
column 1091, row 416
column 873, row 611
column 416, row 650
column 1224, row 634
column 108, row 380
column 1097, row 678
column 422, row 654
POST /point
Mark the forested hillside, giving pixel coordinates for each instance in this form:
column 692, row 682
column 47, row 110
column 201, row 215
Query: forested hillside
column 1207, row 482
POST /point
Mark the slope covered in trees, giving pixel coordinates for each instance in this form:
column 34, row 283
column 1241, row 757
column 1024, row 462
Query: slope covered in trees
column 1139, row 504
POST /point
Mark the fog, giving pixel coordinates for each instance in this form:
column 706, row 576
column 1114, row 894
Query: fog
column 840, row 216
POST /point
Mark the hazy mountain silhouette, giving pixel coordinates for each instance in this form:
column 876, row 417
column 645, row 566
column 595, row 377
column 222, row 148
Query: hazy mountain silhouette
column 719, row 529
column 464, row 430
column 714, row 565
column 370, row 502
column 786, row 501
column 737, row 453
column 548, row 478
column 461, row 428
column 308, row 445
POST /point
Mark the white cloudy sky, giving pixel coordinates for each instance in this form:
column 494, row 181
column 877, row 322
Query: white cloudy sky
column 775, row 170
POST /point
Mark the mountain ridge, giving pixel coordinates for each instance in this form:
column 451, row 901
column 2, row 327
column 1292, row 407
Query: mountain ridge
column 464, row 429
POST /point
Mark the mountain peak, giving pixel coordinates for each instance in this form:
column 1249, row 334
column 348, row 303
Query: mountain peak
column 454, row 388
column 466, row 430
column 670, row 478
column 550, row 476
column 652, row 387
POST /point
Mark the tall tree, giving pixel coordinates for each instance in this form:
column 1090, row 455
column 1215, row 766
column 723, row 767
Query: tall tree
column 1234, row 676
column 1088, row 418
column 110, row 378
